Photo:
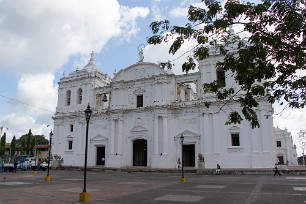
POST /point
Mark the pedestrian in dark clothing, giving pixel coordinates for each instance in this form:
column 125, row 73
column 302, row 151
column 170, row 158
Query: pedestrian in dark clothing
column 15, row 166
column 38, row 164
column 218, row 169
column 276, row 170
column 1, row 166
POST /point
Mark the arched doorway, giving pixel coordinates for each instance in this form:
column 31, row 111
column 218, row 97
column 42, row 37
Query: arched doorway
column 140, row 152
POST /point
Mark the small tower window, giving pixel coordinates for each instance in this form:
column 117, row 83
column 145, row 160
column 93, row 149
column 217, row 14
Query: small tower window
column 71, row 128
column 139, row 101
column 220, row 77
column 68, row 97
column 70, row 144
column 79, row 95
column 278, row 144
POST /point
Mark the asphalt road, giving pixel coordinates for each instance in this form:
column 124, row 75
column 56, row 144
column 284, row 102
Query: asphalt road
column 143, row 187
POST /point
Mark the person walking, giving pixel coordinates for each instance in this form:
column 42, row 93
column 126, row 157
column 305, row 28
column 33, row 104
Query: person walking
column 218, row 169
column 178, row 163
column 1, row 166
column 276, row 170
column 15, row 166
column 38, row 164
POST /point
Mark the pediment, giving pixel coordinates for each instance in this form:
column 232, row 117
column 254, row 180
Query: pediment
column 98, row 137
column 139, row 128
column 188, row 135
column 138, row 71
column 234, row 129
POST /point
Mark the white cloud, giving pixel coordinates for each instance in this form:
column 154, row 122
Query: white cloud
column 38, row 90
column 157, row 11
column 182, row 10
column 39, row 36
column 179, row 12
column 15, row 124
column 128, row 20
column 160, row 53
column 34, row 107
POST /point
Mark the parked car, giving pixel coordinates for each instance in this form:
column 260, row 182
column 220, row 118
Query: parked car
column 8, row 167
column 39, row 165
column 44, row 165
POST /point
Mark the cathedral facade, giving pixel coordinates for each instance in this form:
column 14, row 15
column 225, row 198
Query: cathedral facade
column 140, row 116
column 285, row 148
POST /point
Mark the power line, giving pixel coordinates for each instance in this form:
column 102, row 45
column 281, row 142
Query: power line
column 15, row 100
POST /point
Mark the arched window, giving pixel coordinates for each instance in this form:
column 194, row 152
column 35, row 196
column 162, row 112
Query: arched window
column 220, row 77
column 79, row 96
column 68, row 97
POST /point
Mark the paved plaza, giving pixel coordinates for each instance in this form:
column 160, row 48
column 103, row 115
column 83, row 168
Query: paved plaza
column 150, row 187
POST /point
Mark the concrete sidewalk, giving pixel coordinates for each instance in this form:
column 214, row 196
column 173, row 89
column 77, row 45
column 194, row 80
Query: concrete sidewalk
column 113, row 186
column 290, row 170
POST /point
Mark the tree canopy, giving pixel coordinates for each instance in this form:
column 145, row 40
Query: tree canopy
column 2, row 144
column 269, row 63
column 27, row 142
column 13, row 146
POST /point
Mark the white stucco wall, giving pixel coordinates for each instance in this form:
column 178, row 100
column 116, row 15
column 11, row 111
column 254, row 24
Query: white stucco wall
column 160, row 122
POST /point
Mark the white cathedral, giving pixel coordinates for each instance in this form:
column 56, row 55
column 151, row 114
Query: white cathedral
column 141, row 114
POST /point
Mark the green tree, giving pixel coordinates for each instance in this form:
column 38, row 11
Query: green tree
column 28, row 140
column 13, row 146
column 268, row 64
column 22, row 142
column 33, row 145
column 41, row 140
column 2, row 144
column 22, row 145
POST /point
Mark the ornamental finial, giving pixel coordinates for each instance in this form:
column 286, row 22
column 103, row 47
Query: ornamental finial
column 140, row 49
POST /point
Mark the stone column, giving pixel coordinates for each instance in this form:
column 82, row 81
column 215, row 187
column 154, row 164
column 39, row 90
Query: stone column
column 266, row 132
column 112, row 139
column 165, row 94
column 208, row 140
column 216, row 133
column 155, row 135
column 165, row 135
column 120, row 132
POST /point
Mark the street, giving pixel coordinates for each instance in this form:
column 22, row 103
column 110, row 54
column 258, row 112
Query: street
column 150, row 187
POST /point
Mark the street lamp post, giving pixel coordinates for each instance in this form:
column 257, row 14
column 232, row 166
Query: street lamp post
column 182, row 142
column 303, row 147
column 84, row 196
column 47, row 178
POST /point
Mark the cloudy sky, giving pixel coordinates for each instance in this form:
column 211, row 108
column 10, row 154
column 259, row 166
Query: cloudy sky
column 40, row 40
